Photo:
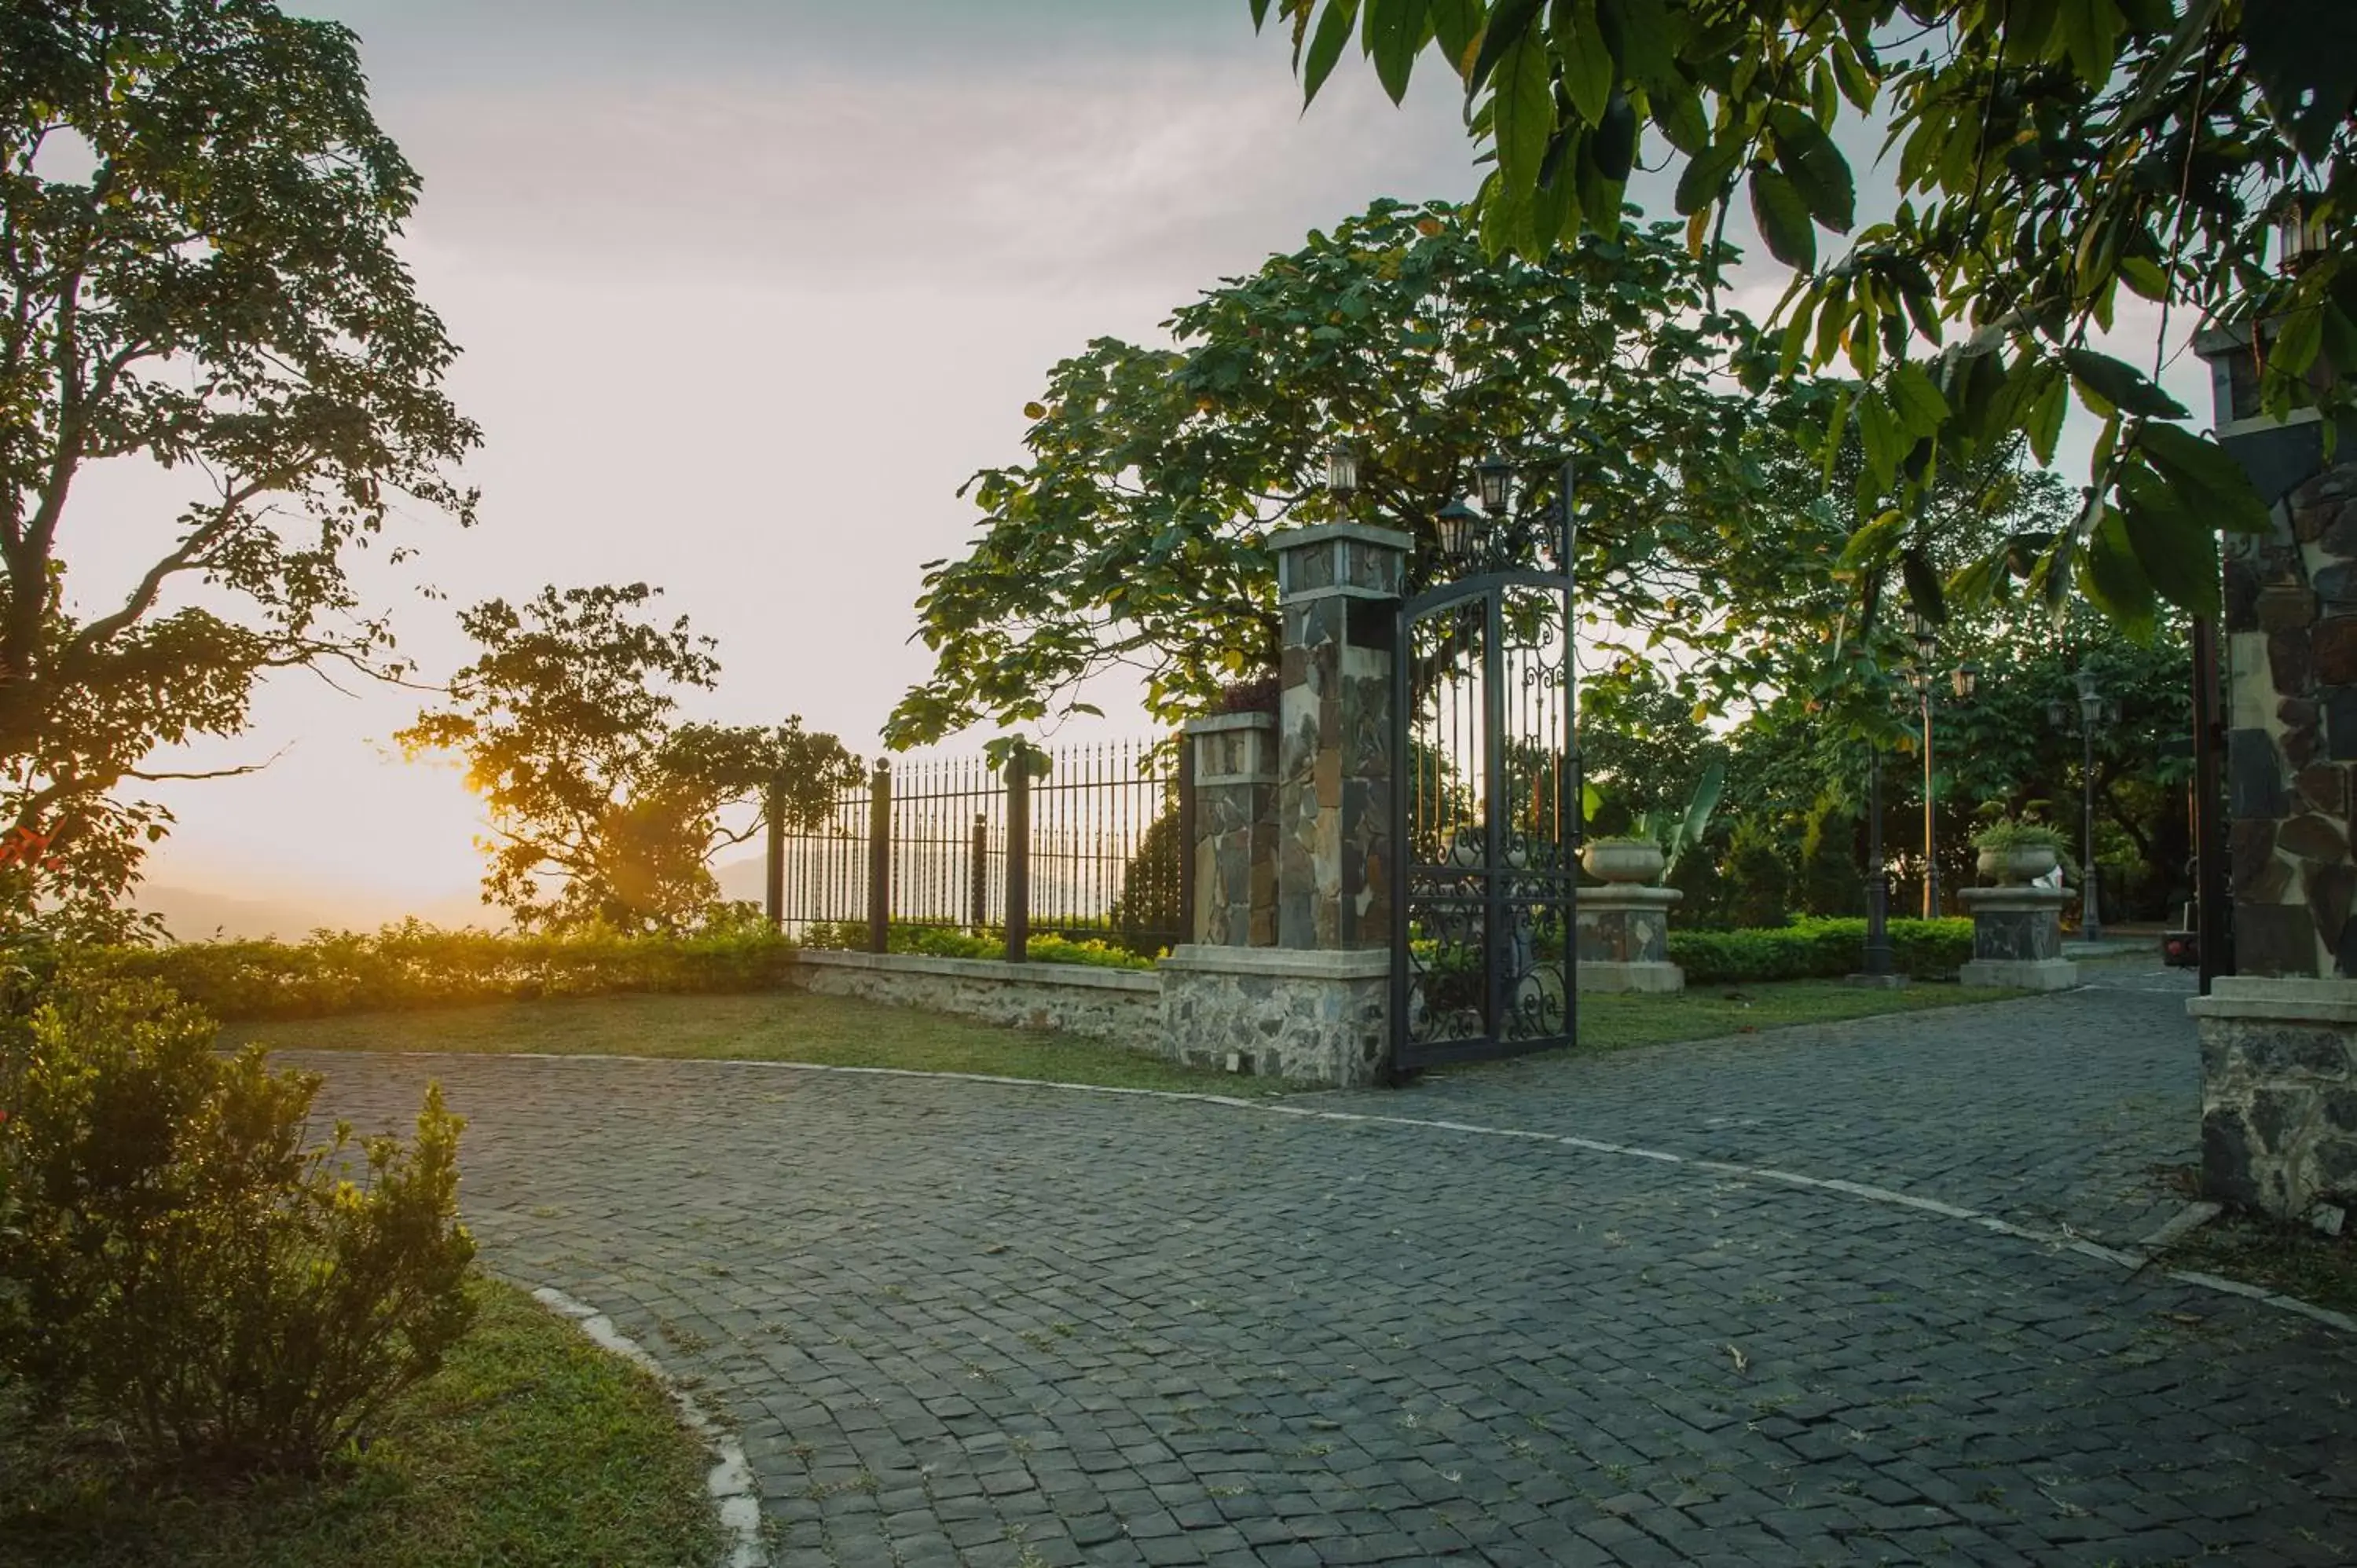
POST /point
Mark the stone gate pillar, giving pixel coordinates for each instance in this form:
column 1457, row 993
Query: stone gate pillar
column 2280, row 1035
column 1315, row 1006
column 1234, row 857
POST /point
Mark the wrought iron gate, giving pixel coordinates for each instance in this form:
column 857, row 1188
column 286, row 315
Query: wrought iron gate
column 1485, row 821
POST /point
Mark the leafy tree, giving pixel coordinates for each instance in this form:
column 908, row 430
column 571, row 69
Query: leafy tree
column 608, row 810
column 2049, row 156
column 1136, row 534
column 197, row 217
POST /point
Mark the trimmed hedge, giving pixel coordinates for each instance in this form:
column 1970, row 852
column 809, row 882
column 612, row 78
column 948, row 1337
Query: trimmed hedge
column 416, row 965
column 938, row 941
column 1819, row 950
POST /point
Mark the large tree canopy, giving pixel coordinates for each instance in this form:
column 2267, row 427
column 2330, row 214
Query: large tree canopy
column 2049, row 154
column 1136, row 534
column 198, row 216
column 608, row 810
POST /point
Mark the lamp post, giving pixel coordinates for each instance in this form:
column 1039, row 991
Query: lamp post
column 1877, row 880
column 2094, row 711
column 1963, row 681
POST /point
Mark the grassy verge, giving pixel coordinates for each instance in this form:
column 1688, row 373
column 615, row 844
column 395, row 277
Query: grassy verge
column 532, row 1446
column 1613, row 1021
column 842, row 1031
column 2285, row 1256
column 777, row 1026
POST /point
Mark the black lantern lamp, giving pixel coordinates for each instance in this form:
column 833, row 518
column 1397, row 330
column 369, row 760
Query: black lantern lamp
column 1966, row 679
column 2300, row 232
column 1341, row 469
column 1496, row 475
column 1457, row 524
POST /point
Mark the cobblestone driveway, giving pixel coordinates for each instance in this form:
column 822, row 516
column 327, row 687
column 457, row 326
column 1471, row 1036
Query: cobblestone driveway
column 962, row 1322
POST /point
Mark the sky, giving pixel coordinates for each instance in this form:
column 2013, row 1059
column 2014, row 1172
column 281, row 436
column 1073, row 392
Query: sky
column 745, row 290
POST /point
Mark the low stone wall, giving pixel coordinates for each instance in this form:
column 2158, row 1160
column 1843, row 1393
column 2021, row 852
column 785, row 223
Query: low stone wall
column 1307, row 1016
column 1119, row 1006
column 2278, row 1091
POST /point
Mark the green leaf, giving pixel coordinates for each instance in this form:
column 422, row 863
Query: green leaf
column 1677, row 110
column 1587, row 67
column 1918, row 403
column 2297, row 342
column 2178, row 552
column 1705, row 180
column 1782, row 217
column 2044, row 424
column 2303, row 53
column 1396, row 31
column 1457, row 24
column 2091, row 35
column 1923, row 589
column 1880, row 435
column 1524, row 106
column 2116, row 384
column 1638, row 33
column 2143, row 275
column 1326, row 46
column 1871, row 543
column 1509, row 21
column 2211, row 483
column 1850, row 75
column 1614, row 146
column 1816, row 166
column 2112, row 579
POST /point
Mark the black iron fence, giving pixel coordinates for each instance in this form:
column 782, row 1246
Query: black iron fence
column 1090, row 849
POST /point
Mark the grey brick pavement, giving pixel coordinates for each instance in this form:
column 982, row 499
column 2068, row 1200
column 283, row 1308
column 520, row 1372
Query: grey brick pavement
column 970, row 1323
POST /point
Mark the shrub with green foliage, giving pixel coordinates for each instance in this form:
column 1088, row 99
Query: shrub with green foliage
column 1758, row 880
column 416, row 965
column 942, row 942
column 1818, row 950
column 184, row 1264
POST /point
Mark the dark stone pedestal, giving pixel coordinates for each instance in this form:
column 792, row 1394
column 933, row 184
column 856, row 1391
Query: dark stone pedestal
column 1624, row 939
column 2018, row 938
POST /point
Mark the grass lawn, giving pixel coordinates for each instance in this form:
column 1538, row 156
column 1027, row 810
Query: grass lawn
column 842, row 1031
column 1614, row 1020
column 531, row 1446
column 774, row 1026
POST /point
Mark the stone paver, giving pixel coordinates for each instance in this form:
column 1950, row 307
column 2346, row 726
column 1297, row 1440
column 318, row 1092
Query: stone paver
column 959, row 1321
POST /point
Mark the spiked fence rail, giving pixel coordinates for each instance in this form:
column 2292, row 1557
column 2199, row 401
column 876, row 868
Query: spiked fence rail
column 1090, row 849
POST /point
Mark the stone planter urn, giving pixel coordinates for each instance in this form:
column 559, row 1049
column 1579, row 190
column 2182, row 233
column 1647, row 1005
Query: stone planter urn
column 1624, row 860
column 2016, row 867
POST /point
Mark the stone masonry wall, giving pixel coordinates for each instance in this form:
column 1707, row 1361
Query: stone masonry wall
column 2278, row 1095
column 1123, row 1008
column 1235, row 853
column 1334, row 1032
column 2291, row 705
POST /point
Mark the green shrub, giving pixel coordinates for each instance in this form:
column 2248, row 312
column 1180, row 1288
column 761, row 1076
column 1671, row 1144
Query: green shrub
column 1831, row 882
column 942, row 941
column 1758, row 879
column 416, row 965
column 1818, row 950
column 187, row 1266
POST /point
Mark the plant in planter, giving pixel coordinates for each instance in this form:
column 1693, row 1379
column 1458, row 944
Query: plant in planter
column 1652, row 851
column 1623, row 859
column 2017, row 851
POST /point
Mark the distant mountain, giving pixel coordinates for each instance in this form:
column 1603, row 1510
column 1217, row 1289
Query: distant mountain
column 193, row 914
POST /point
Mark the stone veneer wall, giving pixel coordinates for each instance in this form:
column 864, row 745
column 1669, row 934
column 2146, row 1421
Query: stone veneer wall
column 1338, row 588
column 2291, row 710
column 1309, row 1018
column 1235, row 853
column 2278, row 1091
column 1123, row 1008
